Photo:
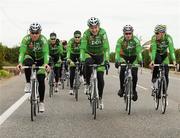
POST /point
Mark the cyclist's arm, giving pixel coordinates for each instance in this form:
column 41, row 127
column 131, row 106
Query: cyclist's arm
column 83, row 47
column 118, row 58
column 60, row 49
column 138, row 50
column 106, row 47
column 153, row 48
column 69, row 49
column 22, row 50
column 45, row 50
column 171, row 49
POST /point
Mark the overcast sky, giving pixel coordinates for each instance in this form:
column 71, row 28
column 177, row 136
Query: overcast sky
column 66, row 16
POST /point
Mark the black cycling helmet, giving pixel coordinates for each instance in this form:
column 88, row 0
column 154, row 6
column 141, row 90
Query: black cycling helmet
column 53, row 34
column 77, row 32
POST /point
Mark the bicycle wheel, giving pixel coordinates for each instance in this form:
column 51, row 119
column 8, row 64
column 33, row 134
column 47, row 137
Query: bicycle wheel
column 35, row 99
column 50, row 90
column 94, row 107
column 76, row 94
column 157, row 96
column 32, row 100
column 130, row 89
column 126, row 99
column 63, row 78
column 163, row 95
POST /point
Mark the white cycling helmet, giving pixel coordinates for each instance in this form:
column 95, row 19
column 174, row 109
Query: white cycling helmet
column 160, row 28
column 35, row 27
column 93, row 21
column 128, row 28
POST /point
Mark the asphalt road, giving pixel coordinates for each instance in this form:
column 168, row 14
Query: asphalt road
column 64, row 117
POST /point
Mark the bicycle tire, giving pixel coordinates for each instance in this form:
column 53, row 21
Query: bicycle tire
column 50, row 90
column 32, row 100
column 129, row 97
column 94, row 107
column 126, row 98
column 76, row 94
column 157, row 96
column 163, row 95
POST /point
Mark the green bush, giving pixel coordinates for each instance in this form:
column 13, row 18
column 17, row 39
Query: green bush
column 4, row 74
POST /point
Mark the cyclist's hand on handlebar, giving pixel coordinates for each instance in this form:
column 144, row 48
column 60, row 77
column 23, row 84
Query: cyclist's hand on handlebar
column 151, row 65
column 107, row 64
column 68, row 61
column 117, row 64
column 47, row 68
column 174, row 63
column 19, row 67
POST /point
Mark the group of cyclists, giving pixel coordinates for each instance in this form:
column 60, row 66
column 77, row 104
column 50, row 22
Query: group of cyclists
column 91, row 48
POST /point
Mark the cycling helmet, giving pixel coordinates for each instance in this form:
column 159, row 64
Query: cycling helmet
column 53, row 35
column 77, row 32
column 160, row 28
column 128, row 28
column 93, row 21
column 35, row 27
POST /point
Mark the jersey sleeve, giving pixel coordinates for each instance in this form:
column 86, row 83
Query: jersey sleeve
column 171, row 48
column 138, row 50
column 83, row 46
column 153, row 48
column 45, row 50
column 69, row 50
column 106, row 47
column 22, row 50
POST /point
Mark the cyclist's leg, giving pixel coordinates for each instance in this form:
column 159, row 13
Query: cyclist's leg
column 72, row 75
column 28, row 62
column 72, row 71
column 41, row 87
column 41, row 78
column 88, row 61
column 121, row 78
column 98, row 59
column 167, row 74
column 158, row 60
column 56, row 72
column 100, row 79
column 134, row 79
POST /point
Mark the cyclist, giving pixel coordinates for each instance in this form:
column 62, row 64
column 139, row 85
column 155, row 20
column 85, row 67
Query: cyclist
column 64, row 55
column 34, row 48
column 161, row 46
column 55, row 51
column 128, row 49
column 73, row 55
column 95, row 50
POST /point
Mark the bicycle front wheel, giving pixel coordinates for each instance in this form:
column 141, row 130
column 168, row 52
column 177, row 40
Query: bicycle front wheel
column 163, row 95
column 32, row 101
column 94, row 107
column 130, row 89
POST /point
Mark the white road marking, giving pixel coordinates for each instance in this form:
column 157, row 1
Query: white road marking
column 137, row 84
column 13, row 108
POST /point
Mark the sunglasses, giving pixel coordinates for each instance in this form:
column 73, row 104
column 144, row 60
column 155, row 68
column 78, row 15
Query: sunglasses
column 34, row 33
column 128, row 33
column 157, row 33
column 77, row 37
column 53, row 38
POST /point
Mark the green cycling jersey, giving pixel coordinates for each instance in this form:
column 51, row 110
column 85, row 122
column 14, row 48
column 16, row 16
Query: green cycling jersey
column 162, row 46
column 38, row 49
column 55, row 49
column 128, row 49
column 95, row 45
column 73, row 47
